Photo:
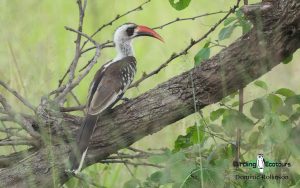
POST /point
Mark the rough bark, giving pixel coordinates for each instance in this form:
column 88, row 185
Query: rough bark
column 274, row 37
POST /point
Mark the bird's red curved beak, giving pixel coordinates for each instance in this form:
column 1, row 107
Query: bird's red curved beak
column 146, row 31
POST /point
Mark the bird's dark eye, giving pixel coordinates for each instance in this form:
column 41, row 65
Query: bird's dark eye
column 130, row 31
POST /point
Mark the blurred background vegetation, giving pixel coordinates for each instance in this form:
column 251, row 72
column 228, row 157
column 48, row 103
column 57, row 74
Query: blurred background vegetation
column 36, row 51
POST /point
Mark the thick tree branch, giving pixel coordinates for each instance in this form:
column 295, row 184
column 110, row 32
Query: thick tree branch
column 275, row 36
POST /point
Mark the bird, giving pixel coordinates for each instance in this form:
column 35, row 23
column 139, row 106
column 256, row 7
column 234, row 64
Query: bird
column 108, row 86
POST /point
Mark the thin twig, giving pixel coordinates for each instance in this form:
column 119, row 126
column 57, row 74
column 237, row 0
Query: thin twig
column 15, row 62
column 126, row 165
column 132, row 163
column 188, row 18
column 16, row 142
column 17, row 95
column 21, row 119
column 107, row 44
column 140, row 151
column 87, row 180
column 4, row 103
column 73, row 108
column 78, row 41
column 128, row 156
column 185, row 51
column 6, row 118
column 9, row 133
column 140, row 7
column 65, row 89
column 13, row 132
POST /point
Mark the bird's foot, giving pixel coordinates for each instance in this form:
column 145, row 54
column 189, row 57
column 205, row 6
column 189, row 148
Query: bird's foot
column 125, row 99
column 71, row 172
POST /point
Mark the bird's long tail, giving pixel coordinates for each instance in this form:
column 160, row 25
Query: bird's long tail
column 82, row 141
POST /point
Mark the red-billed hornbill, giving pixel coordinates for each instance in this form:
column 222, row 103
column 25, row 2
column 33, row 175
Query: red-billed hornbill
column 109, row 84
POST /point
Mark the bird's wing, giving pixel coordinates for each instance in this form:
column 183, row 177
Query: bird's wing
column 107, row 87
column 106, row 93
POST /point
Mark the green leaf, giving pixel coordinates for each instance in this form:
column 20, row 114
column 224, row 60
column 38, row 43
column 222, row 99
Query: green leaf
column 275, row 102
column 286, row 110
column 226, row 32
column 215, row 128
column 261, row 84
column 288, row 59
column 203, row 54
column 285, row 92
column 229, row 20
column 133, row 183
column 197, row 134
column 296, row 115
column 253, row 138
column 182, row 142
column 180, row 4
column 234, row 104
column 233, row 119
column 214, row 115
column 239, row 14
column 156, row 176
column 246, row 26
column 194, row 135
column 276, row 131
column 292, row 100
column 181, row 169
column 259, row 108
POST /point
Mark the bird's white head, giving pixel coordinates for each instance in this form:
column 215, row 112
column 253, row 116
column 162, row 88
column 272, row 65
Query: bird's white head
column 124, row 35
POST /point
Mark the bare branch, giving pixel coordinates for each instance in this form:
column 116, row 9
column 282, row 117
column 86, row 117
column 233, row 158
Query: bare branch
column 4, row 103
column 17, row 95
column 186, row 19
column 6, row 118
column 15, row 62
column 21, row 119
column 78, row 40
column 132, row 163
column 65, row 89
column 107, row 44
column 71, row 109
column 86, row 179
column 16, row 142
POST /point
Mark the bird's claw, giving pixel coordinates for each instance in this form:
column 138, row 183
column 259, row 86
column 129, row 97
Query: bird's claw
column 71, row 172
column 125, row 99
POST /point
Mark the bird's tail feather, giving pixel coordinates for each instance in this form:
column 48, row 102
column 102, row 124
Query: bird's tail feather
column 82, row 141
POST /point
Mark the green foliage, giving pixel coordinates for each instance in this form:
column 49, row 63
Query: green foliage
column 204, row 155
column 226, row 32
column 179, row 4
column 288, row 59
column 214, row 115
column 261, row 84
column 229, row 20
column 195, row 135
column 233, row 119
column 285, row 92
column 231, row 23
column 203, row 54
column 133, row 183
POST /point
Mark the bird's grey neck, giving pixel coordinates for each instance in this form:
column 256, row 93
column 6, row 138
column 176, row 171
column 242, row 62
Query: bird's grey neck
column 124, row 49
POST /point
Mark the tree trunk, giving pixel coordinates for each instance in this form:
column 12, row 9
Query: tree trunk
column 274, row 37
